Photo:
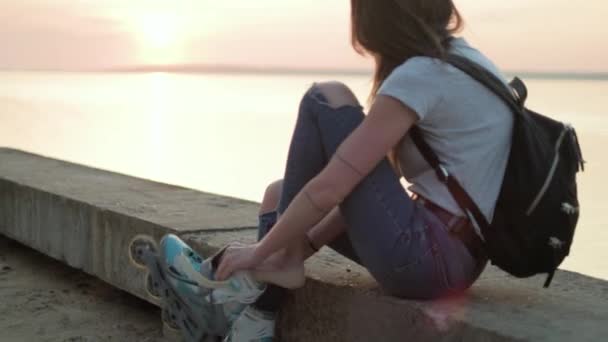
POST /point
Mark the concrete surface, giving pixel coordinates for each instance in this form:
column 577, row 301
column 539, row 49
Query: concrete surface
column 44, row 300
column 86, row 218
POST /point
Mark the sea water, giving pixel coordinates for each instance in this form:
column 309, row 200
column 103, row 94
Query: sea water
column 229, row 133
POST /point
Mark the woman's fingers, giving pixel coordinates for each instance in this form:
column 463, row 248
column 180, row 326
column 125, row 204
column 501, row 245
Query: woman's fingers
column 220, row 273
column 235, row 258
column 224, row 270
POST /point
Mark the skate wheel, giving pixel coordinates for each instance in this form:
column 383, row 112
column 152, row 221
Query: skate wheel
column 171, row 334
column 137, row 246
column 152, row 288
column 169, row 320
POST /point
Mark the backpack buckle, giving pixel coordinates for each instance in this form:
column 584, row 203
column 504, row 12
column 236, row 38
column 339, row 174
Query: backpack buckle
column 519, row 91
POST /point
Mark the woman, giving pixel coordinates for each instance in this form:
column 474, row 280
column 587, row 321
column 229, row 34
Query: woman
column 342, row 180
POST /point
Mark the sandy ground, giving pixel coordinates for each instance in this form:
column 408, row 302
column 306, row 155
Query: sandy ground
column 44, row 300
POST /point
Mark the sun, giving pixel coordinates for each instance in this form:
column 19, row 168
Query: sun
column 158, row 30
column 159, row 36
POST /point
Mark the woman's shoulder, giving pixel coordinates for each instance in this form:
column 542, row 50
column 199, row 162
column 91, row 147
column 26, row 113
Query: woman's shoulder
column 429, row 65
column 417, row 83
column 421, row 64
column 421, row 69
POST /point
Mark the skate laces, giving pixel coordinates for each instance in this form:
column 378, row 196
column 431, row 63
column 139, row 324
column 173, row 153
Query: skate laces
column 186, row 266
column 241, row 288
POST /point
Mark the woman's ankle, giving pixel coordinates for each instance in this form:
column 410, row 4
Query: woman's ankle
column 271, row 300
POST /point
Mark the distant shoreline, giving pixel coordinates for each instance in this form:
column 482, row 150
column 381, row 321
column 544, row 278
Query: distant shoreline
column 227, row 69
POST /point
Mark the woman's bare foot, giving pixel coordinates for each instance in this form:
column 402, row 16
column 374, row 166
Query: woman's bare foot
column 291, row 277
column 285, row 268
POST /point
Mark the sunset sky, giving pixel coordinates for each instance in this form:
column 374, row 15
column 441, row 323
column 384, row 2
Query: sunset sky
column 531, row 35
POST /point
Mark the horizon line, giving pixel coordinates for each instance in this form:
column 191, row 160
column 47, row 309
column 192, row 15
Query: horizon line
column 235, row 69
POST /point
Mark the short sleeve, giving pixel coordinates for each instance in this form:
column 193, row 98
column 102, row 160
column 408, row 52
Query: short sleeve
column 416, row 84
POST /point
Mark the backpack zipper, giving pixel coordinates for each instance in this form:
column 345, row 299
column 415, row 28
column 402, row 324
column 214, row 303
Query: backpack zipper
column 545, row 186
column 579, row 153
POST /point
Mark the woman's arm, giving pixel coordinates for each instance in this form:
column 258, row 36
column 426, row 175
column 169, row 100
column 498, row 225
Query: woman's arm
column 382, row 129
column 358, row 155
column 328, row 229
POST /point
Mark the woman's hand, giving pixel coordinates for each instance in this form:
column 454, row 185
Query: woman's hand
column 237, row 257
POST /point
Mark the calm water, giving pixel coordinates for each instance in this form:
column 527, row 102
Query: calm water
column 229, row 134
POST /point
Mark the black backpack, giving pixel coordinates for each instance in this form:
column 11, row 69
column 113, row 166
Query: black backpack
column 537, row 208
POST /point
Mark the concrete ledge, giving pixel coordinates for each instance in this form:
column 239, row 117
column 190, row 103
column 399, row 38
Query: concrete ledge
column 86, row 218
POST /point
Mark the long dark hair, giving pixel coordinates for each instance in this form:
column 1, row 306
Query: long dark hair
column 392, row 31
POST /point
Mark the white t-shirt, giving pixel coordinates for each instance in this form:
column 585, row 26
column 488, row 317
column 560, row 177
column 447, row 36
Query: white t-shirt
column 467, row 126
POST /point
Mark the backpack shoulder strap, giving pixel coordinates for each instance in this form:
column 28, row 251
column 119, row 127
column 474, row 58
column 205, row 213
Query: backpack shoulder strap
column 460, row 195
column 514, row 100
column 514, row 95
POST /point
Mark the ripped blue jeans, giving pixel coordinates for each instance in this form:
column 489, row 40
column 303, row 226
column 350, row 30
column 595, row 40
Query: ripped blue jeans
column 405, row 247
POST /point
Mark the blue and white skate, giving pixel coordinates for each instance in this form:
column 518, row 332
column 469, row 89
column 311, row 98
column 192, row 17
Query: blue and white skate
column 252, row 325
column 184, row 282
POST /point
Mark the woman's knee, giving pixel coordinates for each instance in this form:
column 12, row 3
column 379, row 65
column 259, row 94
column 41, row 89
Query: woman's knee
column 337, row 94
column 272, row 195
